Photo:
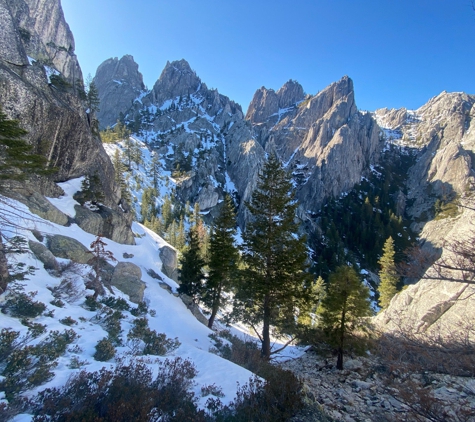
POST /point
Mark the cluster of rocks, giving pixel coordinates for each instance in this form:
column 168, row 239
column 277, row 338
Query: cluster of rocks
column 367, row 390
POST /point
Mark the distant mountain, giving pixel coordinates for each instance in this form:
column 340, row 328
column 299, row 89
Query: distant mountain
column 120, row 84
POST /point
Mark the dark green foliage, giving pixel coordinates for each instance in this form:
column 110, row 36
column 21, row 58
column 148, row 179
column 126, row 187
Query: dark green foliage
column 99, row 254
column 25, row 366
column 91, row 303
column 191, row 272
column 117, row 133
column 388, row 275
column 118, row 304
column 21, row 304
column 68, row 321
column 140, row 310
column 154, row 170
column 127, row 393
column 275, row 282
column 154, row 343
column 92, row 96
column 58, row 303
column 110, row 321
column 92, row 190
column 223, row 259
column 105, row 350
column 343, row 307
column 275, row 398
column 354, row 227
column 59, row 82
column 16, row 157
column 148, row 209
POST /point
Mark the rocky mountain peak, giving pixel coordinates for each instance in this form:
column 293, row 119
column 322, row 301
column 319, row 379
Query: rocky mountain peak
column 118, row 83
column 177, row 79
column 267, row 102
column 290, row 93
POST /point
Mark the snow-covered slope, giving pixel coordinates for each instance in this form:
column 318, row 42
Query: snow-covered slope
column 167, row 313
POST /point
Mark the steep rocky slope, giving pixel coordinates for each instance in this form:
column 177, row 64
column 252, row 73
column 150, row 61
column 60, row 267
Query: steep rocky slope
column 41, row 86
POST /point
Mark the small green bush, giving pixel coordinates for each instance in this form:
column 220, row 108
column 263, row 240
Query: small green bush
column 26, row 366
column 22, row 305
column 118, row 304
column 68, row 321
column 154, row 343
column 92, row 304
column 58, row 303
column 140, row 310
column 105, row 350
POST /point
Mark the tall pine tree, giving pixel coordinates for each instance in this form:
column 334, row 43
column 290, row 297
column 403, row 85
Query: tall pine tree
column 275, row 282
column 191, row 272
column 388, row 275
column 343, row 307
column 223, row 258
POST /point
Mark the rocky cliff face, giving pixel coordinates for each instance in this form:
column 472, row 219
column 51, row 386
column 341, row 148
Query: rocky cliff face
column 40, row 85
column 118, row 83
column 439, row 134
column 440, row 200
column 324, row 140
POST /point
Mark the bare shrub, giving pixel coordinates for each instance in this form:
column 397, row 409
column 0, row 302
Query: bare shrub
column 448, row 350
column 127, row 393
column 69, row 289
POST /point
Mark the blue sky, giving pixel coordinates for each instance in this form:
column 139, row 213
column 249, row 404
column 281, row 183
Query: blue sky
column 399, row 53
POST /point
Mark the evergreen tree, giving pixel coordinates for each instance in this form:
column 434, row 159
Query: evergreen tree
column 181, row 236
column 154, row 170
column 343, row 307
column 275, row 281
column 191, row 272
column 223, row 258
column 92, row 95
column 99, row 256
column 16, row 157
column 128, row 152
column 148, row 208
column 388, row 275
column 16, row 162
column 92, row 190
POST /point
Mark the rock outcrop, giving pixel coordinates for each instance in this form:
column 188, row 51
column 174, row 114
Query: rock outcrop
column 127, row 278
column 41, row 86
column 118, row 83
column 106, row 222
column 68, row 248
column 440, row 201
column 40, row 78
column 324, row 140
column 200, row 134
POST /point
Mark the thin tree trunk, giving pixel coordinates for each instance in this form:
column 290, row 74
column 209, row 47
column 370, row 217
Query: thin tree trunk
column 339, row 361
column 215, row 307
column 214, row 311
column 4, row 275
column 265, row 352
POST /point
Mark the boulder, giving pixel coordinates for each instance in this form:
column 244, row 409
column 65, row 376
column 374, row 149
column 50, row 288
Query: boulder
column 105, row 222
column 68, row 248
column 127, row 278
column 168, row 256
column 39, row 205
column 194, row 309
column 44, row 255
